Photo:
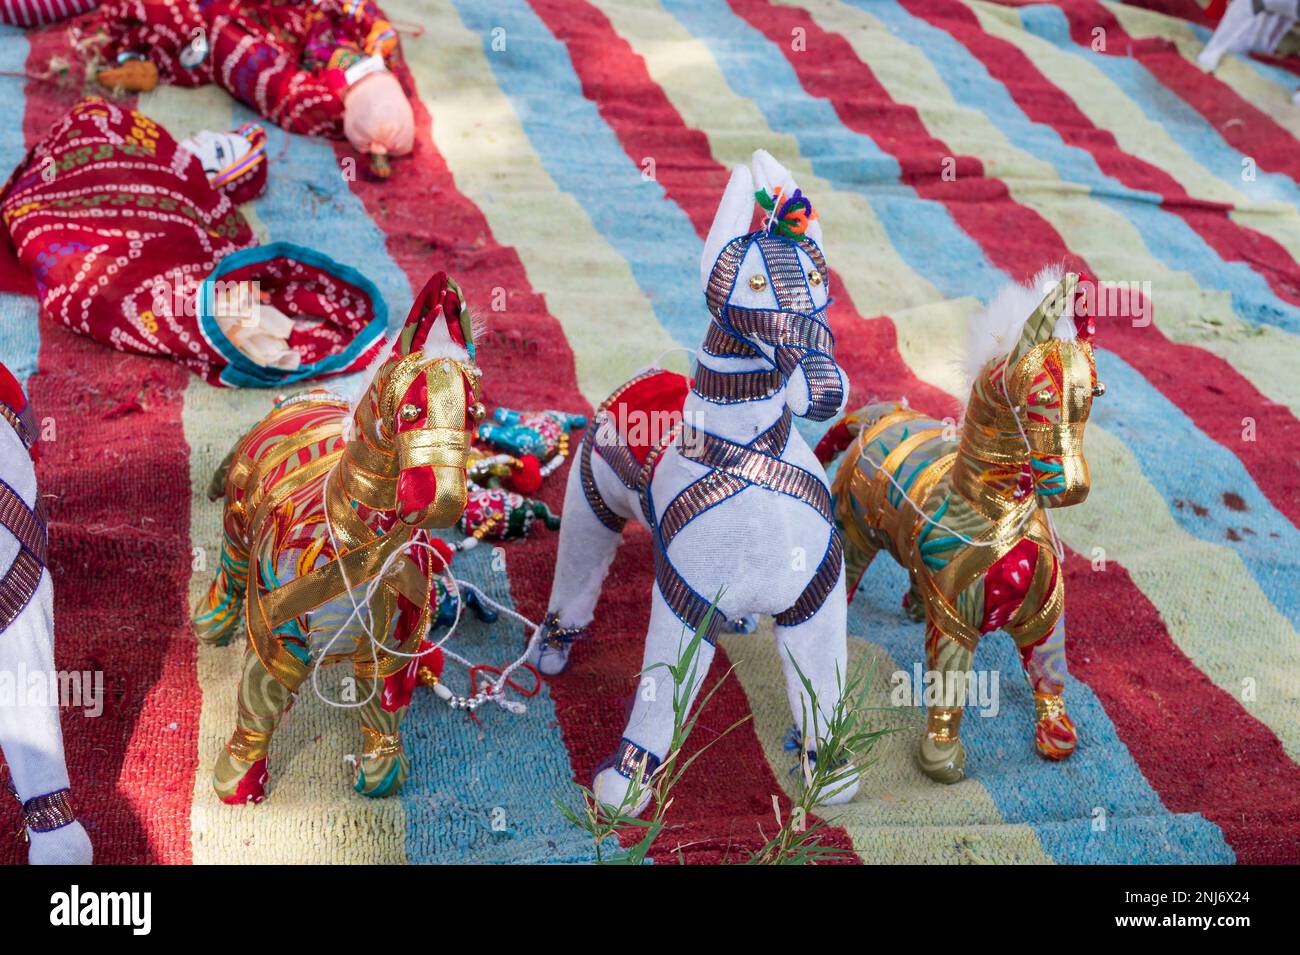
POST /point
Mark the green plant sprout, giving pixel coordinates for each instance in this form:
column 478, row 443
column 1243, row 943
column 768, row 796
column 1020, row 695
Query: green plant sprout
column 602, row 821
column 840, row 752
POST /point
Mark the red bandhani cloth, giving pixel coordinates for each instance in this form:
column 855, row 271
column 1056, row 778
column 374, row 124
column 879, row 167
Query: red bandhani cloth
column 129, row 244
column 285, row 58
column 30, row 13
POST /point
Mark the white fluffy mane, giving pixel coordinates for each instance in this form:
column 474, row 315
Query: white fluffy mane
column 993, row 332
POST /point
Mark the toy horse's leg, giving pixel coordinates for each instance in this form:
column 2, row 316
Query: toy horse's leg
column 1044, row 664
column 650, row 730
column 219, row 617
column 819, row 647
column 942, row 756
column 30, row 732
column 240, row 774
column 383, row 764
column 587, row 548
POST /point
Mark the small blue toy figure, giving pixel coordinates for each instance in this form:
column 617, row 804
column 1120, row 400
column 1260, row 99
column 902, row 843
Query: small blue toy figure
column 543, row 434
column 447, row 607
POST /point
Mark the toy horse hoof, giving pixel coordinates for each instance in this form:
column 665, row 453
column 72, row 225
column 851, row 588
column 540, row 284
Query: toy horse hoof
column 552, row 661
column 1054, row 733
column 67, row 845
column 238, row 782
column 942, row 762
column 381, row 777
column 611, row 788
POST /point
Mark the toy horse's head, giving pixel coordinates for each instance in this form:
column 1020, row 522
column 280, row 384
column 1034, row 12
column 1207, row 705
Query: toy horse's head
column 768, row 289
column 424, row 406
column 1029, row 405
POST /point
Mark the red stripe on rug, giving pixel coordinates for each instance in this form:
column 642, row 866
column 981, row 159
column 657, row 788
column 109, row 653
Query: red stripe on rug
column 1195, row 743
column 1213, row 394
column 1249, row 130
column 1044, row 102
column 1183, row 9
column 115, row 476
column 429, row 225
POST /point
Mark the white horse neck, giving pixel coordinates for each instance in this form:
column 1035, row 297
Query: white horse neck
column 740, row 422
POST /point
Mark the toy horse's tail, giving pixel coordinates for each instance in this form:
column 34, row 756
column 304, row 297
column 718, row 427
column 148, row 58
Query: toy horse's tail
column 217, row 486
column 858, row 552
column 839, row 437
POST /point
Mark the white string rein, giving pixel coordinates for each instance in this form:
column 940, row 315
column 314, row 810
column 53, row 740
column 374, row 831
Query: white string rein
column 454, row 585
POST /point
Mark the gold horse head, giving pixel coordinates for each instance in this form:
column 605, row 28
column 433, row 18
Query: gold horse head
column 422, row 409
column 1031, row 408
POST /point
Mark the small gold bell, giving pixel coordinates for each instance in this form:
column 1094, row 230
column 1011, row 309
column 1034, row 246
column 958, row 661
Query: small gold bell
column 814, row 278
column 410, row 412
column 478, row 411
column 758, row 282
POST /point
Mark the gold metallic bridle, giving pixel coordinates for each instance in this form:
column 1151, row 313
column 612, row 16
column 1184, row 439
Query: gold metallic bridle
column 369, row 469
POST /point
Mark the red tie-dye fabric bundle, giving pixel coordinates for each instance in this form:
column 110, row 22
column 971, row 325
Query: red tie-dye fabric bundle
column 129, row 244
column 287, row 60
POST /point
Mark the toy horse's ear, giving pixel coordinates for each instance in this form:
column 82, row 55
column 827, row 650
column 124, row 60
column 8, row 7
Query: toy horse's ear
column 770, row 175
column 439, row 303
column 1041, row 326
column 734, row 215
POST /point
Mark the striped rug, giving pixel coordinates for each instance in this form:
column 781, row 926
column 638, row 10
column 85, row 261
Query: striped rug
column 570, row 156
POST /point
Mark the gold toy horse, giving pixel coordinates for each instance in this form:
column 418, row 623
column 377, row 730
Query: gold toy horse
column 972, row 532
column 315, row 511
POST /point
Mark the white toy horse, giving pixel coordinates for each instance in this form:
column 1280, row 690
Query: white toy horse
column 29, row 729
column 734, row 497
column 1250, row 26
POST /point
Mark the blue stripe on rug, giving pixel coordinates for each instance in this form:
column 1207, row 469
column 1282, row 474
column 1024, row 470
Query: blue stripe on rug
column 20, row 337
column 489, row 794
column 1059, row 801
column 1169, row 238
column 308, row 201
column 1198, row 477
column 578, row 149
